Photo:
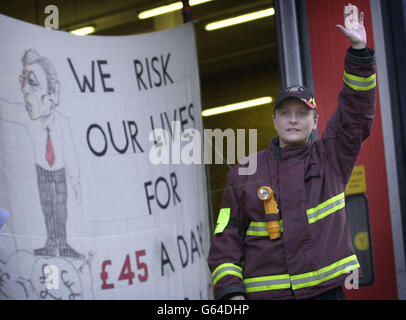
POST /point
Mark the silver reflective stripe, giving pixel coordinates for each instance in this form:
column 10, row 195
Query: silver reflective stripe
column 359, row 83
column 259, row 229
column 267, row 283
column 304, row 280
column 226, row 269
column 314, row 278
column 325, row 211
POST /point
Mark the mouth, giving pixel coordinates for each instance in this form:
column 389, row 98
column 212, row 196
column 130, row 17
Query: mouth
column 293, row 130
column 28, row 107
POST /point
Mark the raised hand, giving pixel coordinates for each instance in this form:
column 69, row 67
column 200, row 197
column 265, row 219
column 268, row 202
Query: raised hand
column 354, row 29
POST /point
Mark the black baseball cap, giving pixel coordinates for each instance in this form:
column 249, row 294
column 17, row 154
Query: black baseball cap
column 302, row 93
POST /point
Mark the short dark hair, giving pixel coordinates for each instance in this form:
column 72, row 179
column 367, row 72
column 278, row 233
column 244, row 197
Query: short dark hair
column 31, row 56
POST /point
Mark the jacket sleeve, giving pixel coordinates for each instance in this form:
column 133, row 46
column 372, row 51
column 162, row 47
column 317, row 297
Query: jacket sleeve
column 226, row 254
column 352, row 121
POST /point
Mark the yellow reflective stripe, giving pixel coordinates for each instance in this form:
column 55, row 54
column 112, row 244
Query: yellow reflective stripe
column 359, row 88
column 309, row 279
column 360, row 83
column 222, row 220
column 360, row 79
column 326, row 208
column 267, row 283
column 325, row 203
column 332, row 271
column 258, row 228
column 258, row 223
column 224, row 270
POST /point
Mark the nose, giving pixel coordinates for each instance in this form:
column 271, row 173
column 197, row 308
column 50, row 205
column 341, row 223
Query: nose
column 22, row 83
column 293, row 119
column 24, row 87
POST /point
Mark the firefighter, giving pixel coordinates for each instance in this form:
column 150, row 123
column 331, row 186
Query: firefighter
column 313, row 254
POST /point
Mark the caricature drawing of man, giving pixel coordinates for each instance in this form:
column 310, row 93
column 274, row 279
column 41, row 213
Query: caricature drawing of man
column 54, row 153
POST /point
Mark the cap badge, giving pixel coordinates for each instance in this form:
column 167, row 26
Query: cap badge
column 295, row 90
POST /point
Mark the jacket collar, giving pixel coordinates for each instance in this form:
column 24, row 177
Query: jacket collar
column 275, row 152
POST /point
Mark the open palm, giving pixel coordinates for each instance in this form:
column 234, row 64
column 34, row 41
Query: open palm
column 354, row 29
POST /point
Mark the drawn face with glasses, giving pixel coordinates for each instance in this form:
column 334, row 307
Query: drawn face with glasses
column 40, row 97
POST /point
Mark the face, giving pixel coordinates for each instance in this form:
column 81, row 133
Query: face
column 294, row 122
column 38, row 102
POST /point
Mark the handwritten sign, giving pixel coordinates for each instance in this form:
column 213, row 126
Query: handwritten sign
column 91, row 217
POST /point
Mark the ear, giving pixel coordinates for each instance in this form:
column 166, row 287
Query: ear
column 54, row 95
column 315, row 122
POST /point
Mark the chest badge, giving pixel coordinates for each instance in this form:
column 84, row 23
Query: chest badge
column 266, row 194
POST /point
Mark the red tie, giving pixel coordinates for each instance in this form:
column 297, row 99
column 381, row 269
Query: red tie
column 49, row 156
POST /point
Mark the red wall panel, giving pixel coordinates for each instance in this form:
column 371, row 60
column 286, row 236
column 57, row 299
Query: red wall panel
column 328, row 49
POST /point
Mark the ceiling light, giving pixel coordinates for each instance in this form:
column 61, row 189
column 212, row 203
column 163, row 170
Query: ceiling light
column 160, row 10
column 168, row 8
column 83, row 31
column 236, row 106
column 240, row 19
column 196, row 2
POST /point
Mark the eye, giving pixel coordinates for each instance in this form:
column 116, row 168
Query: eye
column 32, row 81
column 302, row 113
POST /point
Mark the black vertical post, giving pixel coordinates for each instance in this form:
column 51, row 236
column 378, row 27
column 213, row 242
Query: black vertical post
column 295, row 65
column 305, row 52
column 394, row 22
column 186, row 11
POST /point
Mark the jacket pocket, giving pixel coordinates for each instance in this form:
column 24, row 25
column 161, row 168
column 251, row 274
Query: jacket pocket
column 312, row 171
column 313, row 184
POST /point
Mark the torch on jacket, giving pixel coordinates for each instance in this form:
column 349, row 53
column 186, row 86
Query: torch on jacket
column 315, row 252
